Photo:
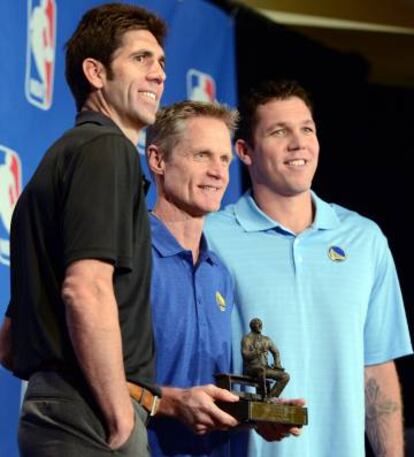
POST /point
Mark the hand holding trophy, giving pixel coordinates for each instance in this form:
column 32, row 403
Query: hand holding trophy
column 268, row 380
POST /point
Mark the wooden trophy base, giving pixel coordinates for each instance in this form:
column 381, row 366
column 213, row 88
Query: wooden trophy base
column 246, row 410
column 258, row 407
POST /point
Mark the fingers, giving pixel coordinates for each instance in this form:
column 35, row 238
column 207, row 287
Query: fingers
column 220, row 394
column 224, row 421
column 201, row 430
column 201, row 414
column 295, row 431
column 289, row 401
column 276, row 432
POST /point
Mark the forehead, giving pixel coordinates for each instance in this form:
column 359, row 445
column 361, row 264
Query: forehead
column 289, row 111
column 133, row 40
column 204, row 132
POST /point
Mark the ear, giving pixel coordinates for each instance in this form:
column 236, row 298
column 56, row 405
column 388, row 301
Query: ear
column 156, row 162
column 94, row 72
column 244, row 152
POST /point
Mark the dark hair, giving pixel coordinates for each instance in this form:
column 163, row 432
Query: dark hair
column 171, row 121
column 98, row 35
column 264, row 93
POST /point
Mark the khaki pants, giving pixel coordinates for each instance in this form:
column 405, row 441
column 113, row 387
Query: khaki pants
column 60, row 418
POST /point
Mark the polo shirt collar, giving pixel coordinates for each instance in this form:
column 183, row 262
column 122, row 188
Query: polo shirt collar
column 95, row 117
column 250, row 216
column 253, row 219
column 326, row 217
column 167, row 246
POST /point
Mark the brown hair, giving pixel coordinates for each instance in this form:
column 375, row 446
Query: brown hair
column 170, row 121
column 264, row 93
column 98, row 35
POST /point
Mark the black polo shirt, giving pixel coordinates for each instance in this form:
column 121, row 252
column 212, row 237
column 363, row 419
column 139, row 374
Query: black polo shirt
column 85, row 201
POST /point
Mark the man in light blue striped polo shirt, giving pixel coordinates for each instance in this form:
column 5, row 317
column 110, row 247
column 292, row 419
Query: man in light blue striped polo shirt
column 321, row 278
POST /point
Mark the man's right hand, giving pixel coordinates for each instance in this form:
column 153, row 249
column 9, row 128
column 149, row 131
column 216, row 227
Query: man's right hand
column 121, row 431
column 197, row 409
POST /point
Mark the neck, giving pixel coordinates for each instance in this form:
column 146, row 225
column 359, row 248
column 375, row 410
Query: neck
column 186, row 229
column 96, row 102
column 295, row 212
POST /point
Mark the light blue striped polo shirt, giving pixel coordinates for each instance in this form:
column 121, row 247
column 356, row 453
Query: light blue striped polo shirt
column 330, row 300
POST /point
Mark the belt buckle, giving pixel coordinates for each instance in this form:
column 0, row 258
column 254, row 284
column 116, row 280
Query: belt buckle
column 155, row 405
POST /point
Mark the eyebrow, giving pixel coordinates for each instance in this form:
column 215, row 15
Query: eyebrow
column 287, row 124
column 211, row 153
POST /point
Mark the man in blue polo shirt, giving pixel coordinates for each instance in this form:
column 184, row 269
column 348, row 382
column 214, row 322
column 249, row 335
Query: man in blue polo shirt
column 189, row 154
column 320, row 277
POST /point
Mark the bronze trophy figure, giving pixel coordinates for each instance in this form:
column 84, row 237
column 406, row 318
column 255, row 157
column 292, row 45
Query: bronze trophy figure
column 255, row 349
column 268, row 380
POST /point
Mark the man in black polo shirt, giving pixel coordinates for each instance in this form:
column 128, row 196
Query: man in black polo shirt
column 79, row 324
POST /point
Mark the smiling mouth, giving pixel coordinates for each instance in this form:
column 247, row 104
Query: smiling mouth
column 210, row 188
column 148, row 94
column 296, row 163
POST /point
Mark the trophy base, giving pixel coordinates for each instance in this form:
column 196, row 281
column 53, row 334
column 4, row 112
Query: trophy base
column 246, row 410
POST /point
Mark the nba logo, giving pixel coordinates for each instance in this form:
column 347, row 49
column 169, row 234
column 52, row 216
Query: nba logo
column 10, row 189
column 200, row 86
column 40, row 56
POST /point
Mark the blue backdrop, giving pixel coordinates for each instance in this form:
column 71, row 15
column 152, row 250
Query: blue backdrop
column 36, row 106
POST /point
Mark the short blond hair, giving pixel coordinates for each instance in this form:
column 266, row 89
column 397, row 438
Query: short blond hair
column 171, row 120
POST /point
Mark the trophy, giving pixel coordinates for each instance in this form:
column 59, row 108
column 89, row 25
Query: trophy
column 267, row 381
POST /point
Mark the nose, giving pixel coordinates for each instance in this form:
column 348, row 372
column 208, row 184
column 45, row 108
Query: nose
column 217, row 169
column 297, row 141
column 157, row 73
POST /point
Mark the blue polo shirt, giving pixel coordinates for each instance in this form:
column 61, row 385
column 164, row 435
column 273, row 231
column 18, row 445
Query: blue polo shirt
column 330, row 300
column 191, row 306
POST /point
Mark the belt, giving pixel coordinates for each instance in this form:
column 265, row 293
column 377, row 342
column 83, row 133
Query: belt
column 144, row 397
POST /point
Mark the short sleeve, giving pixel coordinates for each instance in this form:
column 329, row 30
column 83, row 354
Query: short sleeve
column 386, row 331
column 100, row 187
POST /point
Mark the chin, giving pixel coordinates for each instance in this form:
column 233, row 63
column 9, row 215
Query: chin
column 146, row 118
column 205, row 210
column 212, row 207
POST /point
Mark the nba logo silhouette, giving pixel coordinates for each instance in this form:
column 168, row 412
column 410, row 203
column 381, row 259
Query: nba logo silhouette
column 10, row 189
column 40, row 56
column 200, row 86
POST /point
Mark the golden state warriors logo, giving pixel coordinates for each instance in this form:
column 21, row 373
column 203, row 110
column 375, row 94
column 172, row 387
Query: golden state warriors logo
column 220, row 301
column 336, row 254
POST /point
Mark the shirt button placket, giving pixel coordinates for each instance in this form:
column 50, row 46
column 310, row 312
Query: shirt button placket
column 297, row 257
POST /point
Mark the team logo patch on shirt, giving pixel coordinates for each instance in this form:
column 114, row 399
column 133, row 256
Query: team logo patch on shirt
column 220, row 301
column 336, row 254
